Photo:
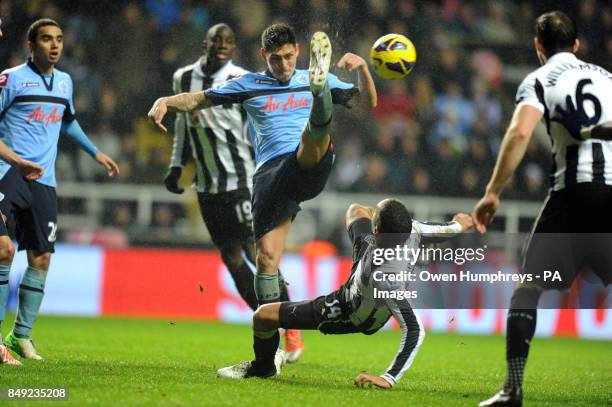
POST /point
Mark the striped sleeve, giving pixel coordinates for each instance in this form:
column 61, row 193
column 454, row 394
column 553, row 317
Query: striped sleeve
column 181, row 150
column 413, row 335
column 527, row 95
column 433, row 232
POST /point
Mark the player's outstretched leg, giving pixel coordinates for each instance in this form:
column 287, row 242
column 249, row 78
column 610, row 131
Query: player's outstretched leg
column 520, row 328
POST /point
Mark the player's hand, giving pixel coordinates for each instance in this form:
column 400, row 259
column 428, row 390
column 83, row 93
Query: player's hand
column 111, row 166
column 171, row 180
column 484, row 211
column 28, row 169
column 366, row 379
column 157, row 113
column 350, row 62
column 464, row 220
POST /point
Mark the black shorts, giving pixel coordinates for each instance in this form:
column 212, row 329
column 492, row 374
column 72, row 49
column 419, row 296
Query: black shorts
column 324, row 313
column 227, row 215
column 280, row 185
column 572, row 233
column 33, row 208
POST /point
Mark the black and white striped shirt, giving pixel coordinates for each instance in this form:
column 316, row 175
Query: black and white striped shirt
column 218, row 136
column 572, row 94
column 369, row 314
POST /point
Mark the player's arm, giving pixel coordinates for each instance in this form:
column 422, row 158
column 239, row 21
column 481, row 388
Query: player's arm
column 438, row 232
column 233, row 91
column 72, row 130
column 183, row 102
column 181, row 149
column 512, row 150
column 601, row 131
column 366, row 98
column 30, row 170
column 412, row 337
column 8, row 91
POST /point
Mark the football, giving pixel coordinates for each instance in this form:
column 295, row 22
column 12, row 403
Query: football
column 393, row 56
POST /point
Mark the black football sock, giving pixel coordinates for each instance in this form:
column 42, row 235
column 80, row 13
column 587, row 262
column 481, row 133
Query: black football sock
column 282, row 285
column 243, row 279
column 265, row 345
column 520, row 328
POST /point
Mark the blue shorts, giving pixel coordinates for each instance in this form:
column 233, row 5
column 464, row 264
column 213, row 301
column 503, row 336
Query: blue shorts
column 33, row 208
column 280, row 185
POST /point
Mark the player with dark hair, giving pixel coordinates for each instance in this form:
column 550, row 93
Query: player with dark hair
column 572, row 96
column 35, row 106
column 217, row 139
column 289, row 112
column 354, row 307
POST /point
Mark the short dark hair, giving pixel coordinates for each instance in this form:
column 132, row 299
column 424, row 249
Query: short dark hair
column 277, row 35
column 556, row 31
column 393, row 217
column 36, row 25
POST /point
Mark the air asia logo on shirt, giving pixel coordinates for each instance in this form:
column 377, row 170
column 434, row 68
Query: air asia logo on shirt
column 273, row 104
column 39, row 115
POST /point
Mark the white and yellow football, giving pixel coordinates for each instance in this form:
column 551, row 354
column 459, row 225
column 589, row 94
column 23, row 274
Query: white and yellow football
column 393, row 56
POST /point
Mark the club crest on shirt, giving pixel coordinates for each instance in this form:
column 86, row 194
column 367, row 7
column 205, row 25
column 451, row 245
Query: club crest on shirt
column 63, row 87
column 301, row 79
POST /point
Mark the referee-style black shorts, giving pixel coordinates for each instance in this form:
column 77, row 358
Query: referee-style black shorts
column 33, row 208
column 573, row 233
column 227, row 215
column 280, row 185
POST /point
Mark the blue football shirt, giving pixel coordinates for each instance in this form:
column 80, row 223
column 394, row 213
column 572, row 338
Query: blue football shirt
column 277, row 111
column 32, row 108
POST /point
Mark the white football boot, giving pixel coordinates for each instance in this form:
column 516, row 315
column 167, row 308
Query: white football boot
column 320, row 60
column 242, row 369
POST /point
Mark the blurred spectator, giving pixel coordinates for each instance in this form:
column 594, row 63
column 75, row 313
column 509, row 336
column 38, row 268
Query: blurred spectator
column 434, row 132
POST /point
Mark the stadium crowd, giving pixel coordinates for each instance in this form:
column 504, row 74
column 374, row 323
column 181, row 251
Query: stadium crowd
column 435, row 132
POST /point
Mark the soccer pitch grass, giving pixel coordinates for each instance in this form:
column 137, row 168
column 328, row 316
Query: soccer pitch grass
column 112, row 361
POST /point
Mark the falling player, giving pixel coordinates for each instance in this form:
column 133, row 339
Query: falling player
column 35, row 106
column 572, row 96
column 289, row 112
column 217, row 138
column 354, row 307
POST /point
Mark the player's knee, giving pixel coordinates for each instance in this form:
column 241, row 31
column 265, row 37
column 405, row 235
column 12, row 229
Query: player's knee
column 267, row 257
column 41, row 261
column 265, row 318
column 7, row 250
column 525, row 296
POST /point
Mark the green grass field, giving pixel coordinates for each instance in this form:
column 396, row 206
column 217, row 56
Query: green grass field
column 154, row 362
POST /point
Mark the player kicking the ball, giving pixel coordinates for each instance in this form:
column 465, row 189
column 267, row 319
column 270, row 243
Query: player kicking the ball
column 354, row 308
column 219, row 142
column 289, row 112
